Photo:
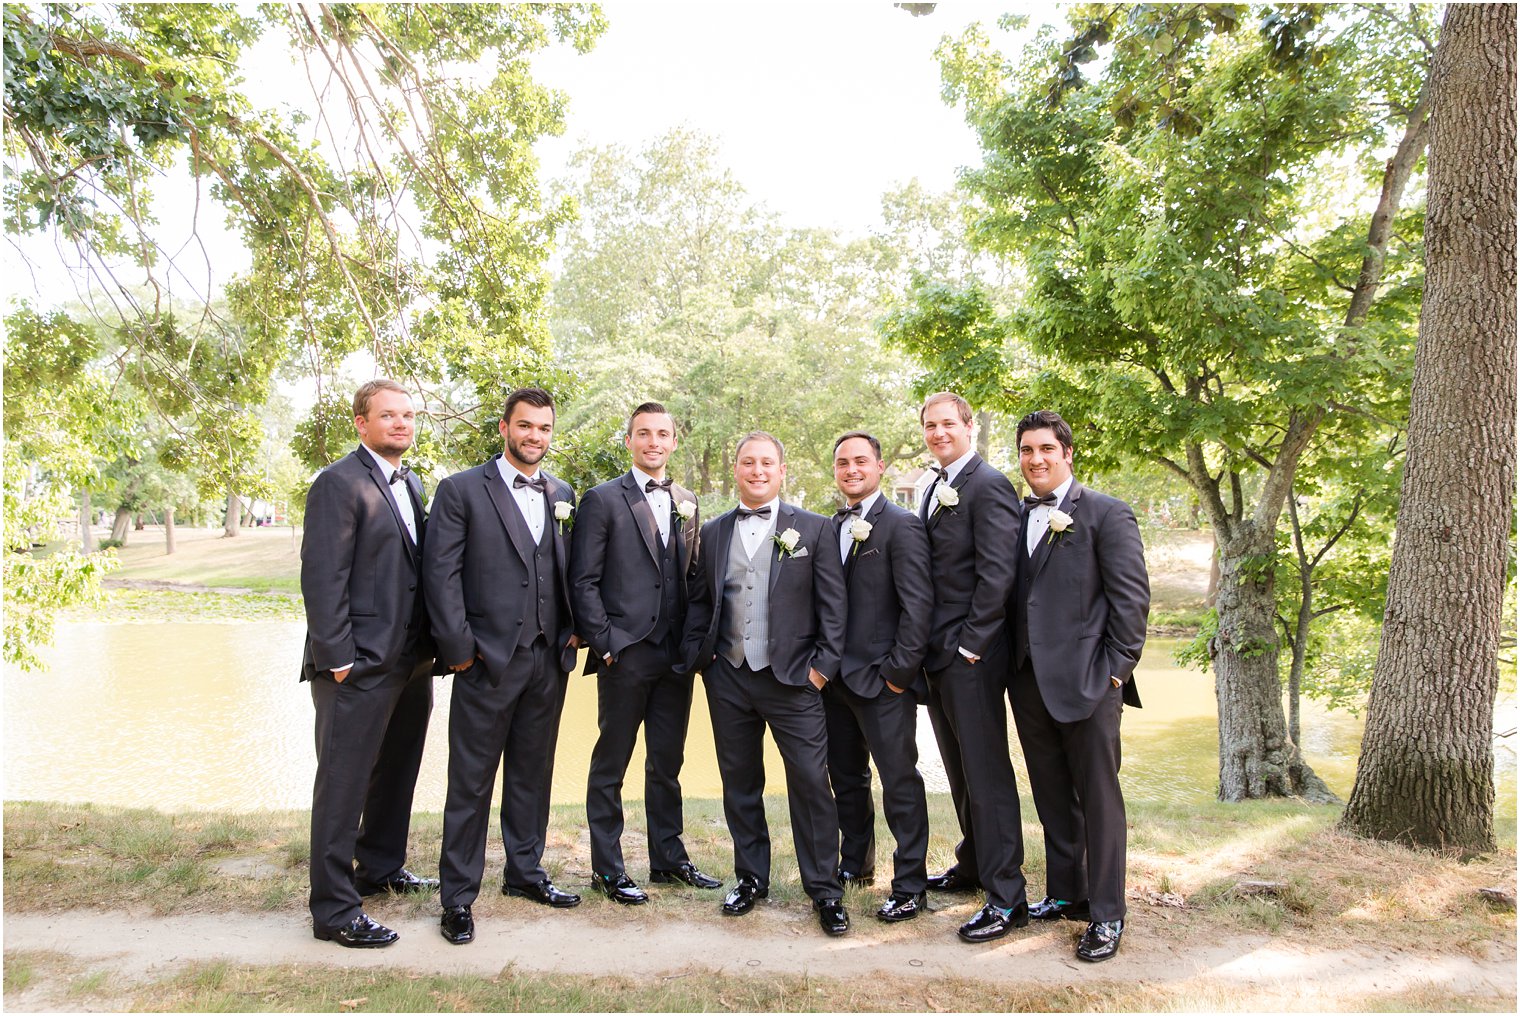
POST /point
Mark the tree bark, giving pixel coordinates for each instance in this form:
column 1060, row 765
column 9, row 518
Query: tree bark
column 86, row 523
column 121, row 525
column 1426, row 771
column 233, row 514
column 168, row 531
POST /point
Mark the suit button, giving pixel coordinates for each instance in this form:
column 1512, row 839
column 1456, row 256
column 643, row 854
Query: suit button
column 525, row 583
column 519, row 620
column 652, row 619
column 412, row 588
column 407, row 626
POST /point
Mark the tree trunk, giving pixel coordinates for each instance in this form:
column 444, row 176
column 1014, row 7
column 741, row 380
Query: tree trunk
column 1426, row 771
column 86, row 523
column 1211, row 593
column 137, row 522
column 168, row 531
column 1257, row 758
column 984, row 435
column 121, row 525
column 230, row 519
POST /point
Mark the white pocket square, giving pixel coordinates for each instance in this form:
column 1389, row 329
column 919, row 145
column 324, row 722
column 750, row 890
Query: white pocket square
column 800, row 552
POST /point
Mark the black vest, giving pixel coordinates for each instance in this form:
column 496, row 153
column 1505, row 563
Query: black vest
column 670, row 585
column 543, row 607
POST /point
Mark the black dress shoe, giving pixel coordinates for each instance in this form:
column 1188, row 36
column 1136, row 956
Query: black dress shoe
column 1054, row 910
column 457, row 925
column 1100, row 940
column 741, row 898
column 832, row 917
column 953, row 881
column 990, row 922
column 360, row 933
column 848, row 877
column 545, row 892
column 688, row 873
column 620, row 888
column 902, row 906
column 402, row 881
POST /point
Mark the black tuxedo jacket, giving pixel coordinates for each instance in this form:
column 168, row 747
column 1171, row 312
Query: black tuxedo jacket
column 1088, row 598
column 476, row 565
column 615, row 565
column 360, row 574
column 971, row 564
column 890, row 603
column 807, row 597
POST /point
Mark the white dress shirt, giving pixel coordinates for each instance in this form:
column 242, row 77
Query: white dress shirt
column 1039, row 519
column 659, row 503
column 529, row 501
column 754, row 530
column 951, row 472
column 399, row 494
column 846, row 541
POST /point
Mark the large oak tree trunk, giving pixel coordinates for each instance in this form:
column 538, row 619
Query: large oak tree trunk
column 121, row 526
column 1426, row 771
column 234, row 513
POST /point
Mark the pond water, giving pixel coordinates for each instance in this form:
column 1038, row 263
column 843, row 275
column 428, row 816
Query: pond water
column 179, row 716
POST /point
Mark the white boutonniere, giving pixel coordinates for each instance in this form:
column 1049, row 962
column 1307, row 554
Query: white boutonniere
column 1060, row 523
column 946, row 496
column 564, row 515
column 786, row 543
column 685, row 510
column 860, row 531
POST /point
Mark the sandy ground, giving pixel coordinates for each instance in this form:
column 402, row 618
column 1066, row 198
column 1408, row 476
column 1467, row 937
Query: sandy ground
column 765, row 943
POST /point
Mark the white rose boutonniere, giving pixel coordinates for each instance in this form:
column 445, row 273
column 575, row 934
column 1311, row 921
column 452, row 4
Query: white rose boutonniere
column 946, row 496
column 685, row 510
column 860, row 531
column 1060, row 523
column 786, row 543
column 564, row 515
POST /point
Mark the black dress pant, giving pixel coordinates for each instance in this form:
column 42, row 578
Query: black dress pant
column 884, row 730
column 639, row 689
column 1074, row 777
column 369, row 747
column 971, row 726
column 742, row 703
column 514, row 725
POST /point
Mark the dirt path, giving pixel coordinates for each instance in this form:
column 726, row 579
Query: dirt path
column 145, row 947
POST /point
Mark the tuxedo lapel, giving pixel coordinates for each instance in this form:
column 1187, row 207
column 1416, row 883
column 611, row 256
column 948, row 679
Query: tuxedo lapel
column 379, row 480
column 784, row 513
column 686, row 527
column 855, row 551
column 1047, row 542
column 720, row 566
column 562, row 492
column 511, row 516
column 960, row 481
column 643, row 515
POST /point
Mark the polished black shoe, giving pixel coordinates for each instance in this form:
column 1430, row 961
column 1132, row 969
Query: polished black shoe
column 953, row 881
column 688, row 873
column 990, row 922
column 1056, row 910
column 402, row 881
column 457, row 925
column 620, row 888
column 545, row 892
column 832, row 917
column 360, row 933
column 741, row 898
column 903, row 907
column 1100, row 940
column 848, row 877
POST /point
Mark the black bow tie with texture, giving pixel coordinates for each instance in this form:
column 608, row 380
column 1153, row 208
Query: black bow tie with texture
column 400, row 474
column 1035, row 499
column 763, row 513
column 650, row 486
column 538, row 483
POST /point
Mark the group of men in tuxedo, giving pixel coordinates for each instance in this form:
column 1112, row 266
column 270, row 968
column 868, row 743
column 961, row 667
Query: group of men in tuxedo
column 829, row 632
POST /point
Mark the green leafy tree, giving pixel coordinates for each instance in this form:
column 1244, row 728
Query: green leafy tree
column 1204, row 288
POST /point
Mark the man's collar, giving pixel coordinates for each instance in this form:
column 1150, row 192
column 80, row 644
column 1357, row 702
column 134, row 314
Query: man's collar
column 386, row 469
column 869, row 501
column 508, row 471
column 640, row 478
column 953, row 470
column 1061, row 491
column 774, row 504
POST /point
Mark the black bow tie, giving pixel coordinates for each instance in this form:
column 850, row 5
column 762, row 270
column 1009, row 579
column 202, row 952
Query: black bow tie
column 745, row 513
column 940, row 471
column 1032, row 499
column 852, row 509
column 538, row 483
column 400, row 474
column 650, row 486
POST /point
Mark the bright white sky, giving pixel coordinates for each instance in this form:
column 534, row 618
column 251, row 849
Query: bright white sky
column 819, row 109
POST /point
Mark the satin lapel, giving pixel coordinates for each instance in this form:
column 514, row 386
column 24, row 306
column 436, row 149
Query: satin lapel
column 725, row 540
column 419, row 515
column 643, row 516
column 390, row 502
column 784, row 514
column 511, row 516
column 926, row 507
column 855, row 551
column 960, row 481
column 688, row 528
column 562, row 492
column 1042, row 552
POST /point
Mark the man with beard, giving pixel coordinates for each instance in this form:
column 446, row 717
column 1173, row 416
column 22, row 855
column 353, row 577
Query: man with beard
column 496, row 570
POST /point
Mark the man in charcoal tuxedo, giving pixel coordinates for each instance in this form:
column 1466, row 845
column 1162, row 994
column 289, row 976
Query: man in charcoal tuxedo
column 635, row 539
column 369, row 658
column 872, row 708
column 972, row 514
column 766, row 628
column 496, row 571
column 1078, row 614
